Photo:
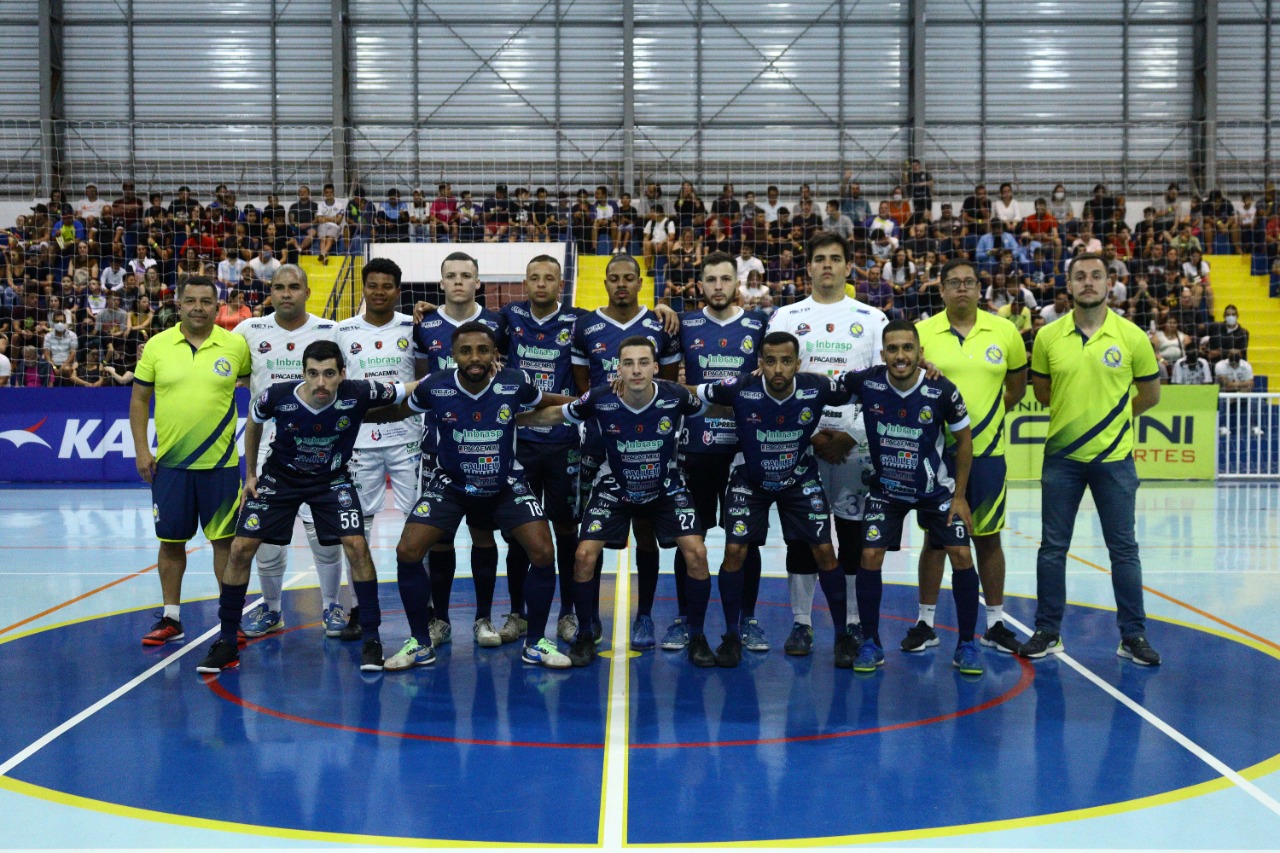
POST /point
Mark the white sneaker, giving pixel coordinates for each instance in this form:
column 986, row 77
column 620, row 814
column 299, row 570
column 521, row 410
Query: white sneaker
column 545, row 654
column 485, row 635
column 514, row 628
column 441, row 632
column 411, row 654
column 567, row 627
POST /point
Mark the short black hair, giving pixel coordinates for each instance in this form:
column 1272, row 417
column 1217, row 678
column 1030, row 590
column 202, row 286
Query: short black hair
column 638, row 341
column 381, row 265
column 460, row 256
column 320, row 351
column 474, row 327
column 714, row 258
column 624, row 258
column 954, row 264
column 542, row 259
column 828, row 238
column 197, row 281
column 777, row 339
column 901, row 326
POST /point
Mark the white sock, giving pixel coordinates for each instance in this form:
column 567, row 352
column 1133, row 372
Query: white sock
column 328, row 559
column 171, row 611
column 995, row 613
column 851, row 596
column 272, row 561
column 802, row 588
column 927, row 612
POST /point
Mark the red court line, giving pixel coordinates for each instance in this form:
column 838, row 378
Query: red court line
column 83, row 596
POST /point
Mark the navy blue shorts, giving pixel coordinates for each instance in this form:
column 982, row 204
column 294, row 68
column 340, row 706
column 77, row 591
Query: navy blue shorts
column 332, row 497
column 443, row 506
column 802, row 508
column 883, row 519
column 552, row 473
column 608, row 516
column 706, row 476
column 184, row 500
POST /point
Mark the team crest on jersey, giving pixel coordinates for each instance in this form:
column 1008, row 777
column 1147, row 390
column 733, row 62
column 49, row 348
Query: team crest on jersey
column 264, row 347
column 816, row 502
column 376, row 435
column 477, row 416
column 802, row 330
column 926, row 415
column 730, row 382
column 664, row 425
column 682, row 500
column 291, row 346
column 697, row 343
column 252, row 522
column 343, row 423
column 707, row 437
column 806, row 415
column 831, row 327
column 402, row 344
column 856, row 330
column 994, row 354
column 422, row 510
column 563, row 337
column 222, row 367
column 1112, row 358
column 344, row 499
column 873, row 532
column 739, row 529
column 748, row 345
column 356, row 348
column 504, row 414
column 595, row 527
column 377, row 344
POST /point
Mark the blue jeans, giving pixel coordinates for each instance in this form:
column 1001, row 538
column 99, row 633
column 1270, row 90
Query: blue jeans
column 1114, row 486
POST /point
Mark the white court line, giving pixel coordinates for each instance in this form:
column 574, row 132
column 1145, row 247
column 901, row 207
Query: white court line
column 1175, row 735
column 613, row 830
column 52, row 735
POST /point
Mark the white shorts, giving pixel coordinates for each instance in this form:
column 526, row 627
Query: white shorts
column 328, row 229
column 847, row 484
column 370, row 467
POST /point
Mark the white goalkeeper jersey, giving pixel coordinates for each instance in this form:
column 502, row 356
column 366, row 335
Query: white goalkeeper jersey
column 385, row 353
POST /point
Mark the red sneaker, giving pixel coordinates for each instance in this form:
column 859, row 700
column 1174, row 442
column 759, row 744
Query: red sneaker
column 165, row 631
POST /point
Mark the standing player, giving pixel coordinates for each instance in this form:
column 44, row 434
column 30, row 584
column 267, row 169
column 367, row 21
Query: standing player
column 776, row 414
column 191, row 370
column 1083, row 367
column 433, row 341
column 540, row 338
column 837, row 334
column 317, row 421
column 986, row 359
column 640, row 478
column 475, row 476
column 378, row 345
column 596, row 340
column 905, row 413
column 276, row 344
column 718, row 341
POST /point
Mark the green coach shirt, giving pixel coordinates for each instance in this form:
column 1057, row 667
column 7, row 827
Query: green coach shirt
column 195, row 397
column 1089, row 408
column 977, row 364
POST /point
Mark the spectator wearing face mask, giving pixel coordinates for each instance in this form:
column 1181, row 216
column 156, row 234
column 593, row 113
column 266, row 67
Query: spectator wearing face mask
column 265, row 265
column 59, row 356
column 1234, row 373
column 1228, row 335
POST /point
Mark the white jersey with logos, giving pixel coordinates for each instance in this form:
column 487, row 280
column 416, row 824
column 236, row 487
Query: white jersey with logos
column 277, row 351
column 385, row 353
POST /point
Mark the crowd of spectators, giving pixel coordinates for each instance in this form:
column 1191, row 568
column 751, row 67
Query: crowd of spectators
column 83, row 285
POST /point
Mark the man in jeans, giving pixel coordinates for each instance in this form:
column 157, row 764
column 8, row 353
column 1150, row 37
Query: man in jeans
column 1083, row 368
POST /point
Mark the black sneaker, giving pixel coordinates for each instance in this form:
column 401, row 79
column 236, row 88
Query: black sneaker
column 353, row 631
column 700, row 653
column 1138, row 650
column 1041, row 643
column 582, row 651
column 846, row 648
column 1001, row 639
column 729, row 654
column 371, row 656
column 919, row 638
column 222, row 655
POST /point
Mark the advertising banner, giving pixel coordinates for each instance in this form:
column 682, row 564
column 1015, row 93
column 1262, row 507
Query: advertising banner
column 70, row 435
column 1177, row 440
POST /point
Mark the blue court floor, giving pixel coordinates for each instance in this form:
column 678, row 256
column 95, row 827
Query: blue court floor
column 104, row 744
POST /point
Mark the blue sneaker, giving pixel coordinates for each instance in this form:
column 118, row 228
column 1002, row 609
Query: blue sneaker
column 545, row 653
column 869, row 658
column 753, row 639
column 335, row 620
column 968, row 659
column 677, row 636
column 260, row 621
column 800, row 642
column 411, row 654
column 642, row 634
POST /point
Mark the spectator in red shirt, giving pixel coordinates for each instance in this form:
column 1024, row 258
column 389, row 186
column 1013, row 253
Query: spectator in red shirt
column 203, row 244
column 444, row 208
column 1044, row 228
column 128, row 208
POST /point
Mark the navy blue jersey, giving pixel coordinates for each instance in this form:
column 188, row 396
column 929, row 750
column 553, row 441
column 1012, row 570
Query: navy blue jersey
column 542, row 349
column 640, row 445
column 433, row 337
column 905, row 431
column 318, row 441
column 774, row 435
column 475, row 433
column 596, row 339
column 714, row 350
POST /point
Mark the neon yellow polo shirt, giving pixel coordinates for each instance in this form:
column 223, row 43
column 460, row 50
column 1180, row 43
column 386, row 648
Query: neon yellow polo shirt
column 195, row 397
column 1089, row 409
column 977, row 364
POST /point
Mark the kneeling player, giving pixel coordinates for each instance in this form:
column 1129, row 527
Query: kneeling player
column 317, row 422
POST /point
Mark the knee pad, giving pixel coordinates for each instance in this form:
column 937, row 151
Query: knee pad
column 272, row 560
column 322, row 553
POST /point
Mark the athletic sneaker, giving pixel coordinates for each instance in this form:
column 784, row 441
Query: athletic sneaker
column 582, row 651
column 371, row 656
column 335, row 620
column 165, row 631
column 967, row 658
column 677, row 636
column 352, row 631
column 642, row 637
column 514, row 628
column 729, row 652
column 801, row 640
column 700, row 653
column 567, row 627
column 411, row 654
column 486, row 636
column 869, row 658
column 1001, row 639
column 260, row 621
column 920, row 637
column 222, row 655
column 1041, row 643
column 1138, row 650
column 545, row 653
column 846, row 648
column 597, row 630
column 753, row 639
column 441, row 632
